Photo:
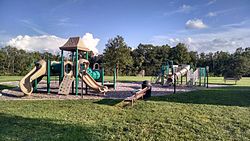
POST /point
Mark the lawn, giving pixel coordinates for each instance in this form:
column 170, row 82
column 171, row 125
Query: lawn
column 10, row 78
column 108, row 78
column 245, row 81
column 211, row 114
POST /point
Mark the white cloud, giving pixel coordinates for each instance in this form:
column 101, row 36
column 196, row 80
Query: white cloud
column 42, row 43
column 185, row 8
column 211, row 2
column 227, row 40
column 189, row 40
column 195, row 24
column 64, row 19
column 66, row 22
column 33, row 26
column 91, row 42
column 221, row 12
column 182, row 9
column 49, row 43
column 211, row 14
column 174, row 40
column 239, row 24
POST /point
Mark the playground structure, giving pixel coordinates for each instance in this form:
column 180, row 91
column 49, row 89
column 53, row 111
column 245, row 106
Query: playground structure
column 174, row 74
column 68, row 72
column 70, row 69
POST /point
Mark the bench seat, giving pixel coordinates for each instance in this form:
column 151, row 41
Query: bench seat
column 235, row 79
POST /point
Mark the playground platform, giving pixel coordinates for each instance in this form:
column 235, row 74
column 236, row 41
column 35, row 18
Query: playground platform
column 122, row 91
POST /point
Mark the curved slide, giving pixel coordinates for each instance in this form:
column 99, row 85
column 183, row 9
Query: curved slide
column 179, row 73
column 93, row 84
column 183, row 71
column 25, row 83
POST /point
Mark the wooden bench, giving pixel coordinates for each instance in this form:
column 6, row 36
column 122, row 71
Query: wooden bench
column 235, row 79
column 136, row 95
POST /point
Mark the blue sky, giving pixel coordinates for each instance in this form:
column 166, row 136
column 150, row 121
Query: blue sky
column 204, row 25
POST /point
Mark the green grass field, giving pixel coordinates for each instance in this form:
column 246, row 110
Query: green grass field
column 214, row 114
column 245, row 81
column 10, row 78
column 208, row 114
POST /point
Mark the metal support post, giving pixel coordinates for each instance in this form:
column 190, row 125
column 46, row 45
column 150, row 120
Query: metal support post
column 48, row 76
column 62, row 68
column 76, row 70
column 114, row 79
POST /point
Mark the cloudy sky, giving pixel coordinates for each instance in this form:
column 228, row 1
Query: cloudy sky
column 204, row 25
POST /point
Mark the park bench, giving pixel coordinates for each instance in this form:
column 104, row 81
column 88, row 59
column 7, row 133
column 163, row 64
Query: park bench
column 136, row 95
column 235, row 79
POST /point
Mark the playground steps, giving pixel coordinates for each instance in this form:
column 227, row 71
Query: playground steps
column 65, row 85
column 136, row 95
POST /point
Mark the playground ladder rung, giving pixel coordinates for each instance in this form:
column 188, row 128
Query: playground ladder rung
column 66, row 85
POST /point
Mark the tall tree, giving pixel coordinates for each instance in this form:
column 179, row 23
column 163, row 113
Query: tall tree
column 179, row 54
column 117, row 53
column 221, row 61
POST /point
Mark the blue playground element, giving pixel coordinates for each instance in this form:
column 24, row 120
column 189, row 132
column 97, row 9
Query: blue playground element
column 95, row 74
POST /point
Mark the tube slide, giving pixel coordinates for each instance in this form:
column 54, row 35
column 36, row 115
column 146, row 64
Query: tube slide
column 26, row 82
column 93, row 84
column 183, row 71
column 179, row 73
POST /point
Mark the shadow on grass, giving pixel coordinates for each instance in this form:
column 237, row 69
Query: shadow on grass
column 20, row 128
column 227, row 96
column 110, row 102
column 6, row 87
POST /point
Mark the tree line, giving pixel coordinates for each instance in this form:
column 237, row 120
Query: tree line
column 15, row 61
column 130, row 61
column 149, row 57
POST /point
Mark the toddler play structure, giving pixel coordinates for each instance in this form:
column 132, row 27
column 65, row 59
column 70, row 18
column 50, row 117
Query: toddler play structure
column 68, row 71
column 171, row 74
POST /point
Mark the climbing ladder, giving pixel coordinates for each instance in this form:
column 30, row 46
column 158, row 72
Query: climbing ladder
column 66, row 84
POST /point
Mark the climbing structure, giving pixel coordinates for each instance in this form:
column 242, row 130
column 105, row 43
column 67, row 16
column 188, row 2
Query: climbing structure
column 170, row 74
column 69, row 72
column 65, row 85
column 75, row 45
column 197, row 77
